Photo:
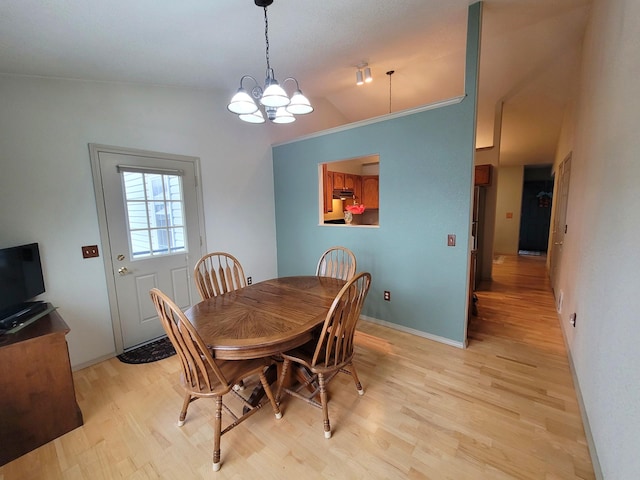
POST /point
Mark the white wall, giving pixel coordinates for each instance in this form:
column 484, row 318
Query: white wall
column 600, row 269
column 46, row 189
column 509, row 200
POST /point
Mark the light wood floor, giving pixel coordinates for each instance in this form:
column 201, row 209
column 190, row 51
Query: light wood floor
column 505, row 408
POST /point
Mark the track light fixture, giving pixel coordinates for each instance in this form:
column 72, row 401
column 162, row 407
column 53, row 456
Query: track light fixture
column 363, row 74
column 277, row 105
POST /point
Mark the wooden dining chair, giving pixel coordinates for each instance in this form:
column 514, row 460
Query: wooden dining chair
column 217, row 273
column 204, row 376
column 332, row 352
column 337, row 262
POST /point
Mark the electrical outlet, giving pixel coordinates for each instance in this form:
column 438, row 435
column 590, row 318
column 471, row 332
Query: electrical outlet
column 90, row 251
column 387, row 295
column 249, row 281
column 451, row 240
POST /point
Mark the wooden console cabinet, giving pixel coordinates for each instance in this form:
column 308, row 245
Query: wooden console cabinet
column 37, row 396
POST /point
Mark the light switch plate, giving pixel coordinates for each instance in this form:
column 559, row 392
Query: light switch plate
column 451, row 240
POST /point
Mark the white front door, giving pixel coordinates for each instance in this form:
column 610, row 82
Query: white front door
column 152, row 219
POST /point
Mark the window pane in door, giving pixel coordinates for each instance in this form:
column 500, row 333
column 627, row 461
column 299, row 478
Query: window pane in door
column 175, row 214
column 159, row 241
column 140, row 244
column 137, row 212
column 133, row 186
column 177, row 239
column 157, row 214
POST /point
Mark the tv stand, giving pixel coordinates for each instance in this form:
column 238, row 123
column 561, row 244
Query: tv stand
column 38, row 401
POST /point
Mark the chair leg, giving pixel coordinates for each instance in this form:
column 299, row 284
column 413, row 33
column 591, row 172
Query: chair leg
column 283, row 374
column 354, row 374
column 217, row 427
column 183, row 412
column 267, row 390
column 325, row 407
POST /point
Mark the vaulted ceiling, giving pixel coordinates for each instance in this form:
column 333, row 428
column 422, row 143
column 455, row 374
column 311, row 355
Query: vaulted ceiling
column 529, row 59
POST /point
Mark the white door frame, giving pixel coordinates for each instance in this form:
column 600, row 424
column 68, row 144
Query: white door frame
column 94, row 151
column 560, row 204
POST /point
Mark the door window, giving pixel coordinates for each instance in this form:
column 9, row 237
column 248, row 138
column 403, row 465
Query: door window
column 155, row 213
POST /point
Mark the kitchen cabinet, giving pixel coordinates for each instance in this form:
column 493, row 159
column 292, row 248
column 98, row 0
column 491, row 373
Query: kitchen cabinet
column 482, row 176
column 357, row 188
column 338, row 179
column 353, row 183
column 327, row 183
column 365, row 188
column 370, row 184
column 349, row 181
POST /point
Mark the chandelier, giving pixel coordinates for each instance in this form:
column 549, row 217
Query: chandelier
column 277, row 105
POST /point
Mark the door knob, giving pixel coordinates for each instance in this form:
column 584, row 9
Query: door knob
column 123, row 270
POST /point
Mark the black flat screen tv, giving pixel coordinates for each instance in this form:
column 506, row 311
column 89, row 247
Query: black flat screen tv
column 21, row 278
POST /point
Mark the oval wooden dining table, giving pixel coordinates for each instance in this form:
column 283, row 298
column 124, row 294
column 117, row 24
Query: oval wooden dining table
column 266, row 318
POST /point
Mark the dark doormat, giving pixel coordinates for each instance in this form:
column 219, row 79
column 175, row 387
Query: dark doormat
column 530, row 252
column 150, row 352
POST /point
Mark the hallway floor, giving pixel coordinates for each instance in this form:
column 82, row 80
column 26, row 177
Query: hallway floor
column 517, row 323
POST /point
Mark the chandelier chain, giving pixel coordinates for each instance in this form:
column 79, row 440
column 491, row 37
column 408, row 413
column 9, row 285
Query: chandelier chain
column 266, row 36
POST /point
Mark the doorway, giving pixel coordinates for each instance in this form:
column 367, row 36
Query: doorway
column 152, row 231
column 535, row 213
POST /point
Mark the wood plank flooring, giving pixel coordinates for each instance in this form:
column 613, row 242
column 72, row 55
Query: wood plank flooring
column 504, row 408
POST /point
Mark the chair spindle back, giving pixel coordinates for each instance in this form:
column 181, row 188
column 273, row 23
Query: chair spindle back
column 337, row 262
column 217, row 273
column 335, row 344
column 199, row 370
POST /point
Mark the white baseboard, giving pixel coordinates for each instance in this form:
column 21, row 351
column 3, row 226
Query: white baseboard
column 597, row 469
column 75, row 368
column 412, row 331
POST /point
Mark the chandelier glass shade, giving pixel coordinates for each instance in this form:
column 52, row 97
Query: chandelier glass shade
column 275, row 101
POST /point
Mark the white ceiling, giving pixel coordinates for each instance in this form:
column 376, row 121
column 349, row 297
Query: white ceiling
column 530, row 53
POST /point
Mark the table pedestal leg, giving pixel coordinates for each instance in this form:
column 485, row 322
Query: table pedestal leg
column 258, row 391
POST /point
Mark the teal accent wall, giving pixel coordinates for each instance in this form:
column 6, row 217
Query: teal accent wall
column 426, row 171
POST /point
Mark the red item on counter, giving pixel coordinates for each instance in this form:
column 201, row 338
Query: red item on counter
column 357, row 209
